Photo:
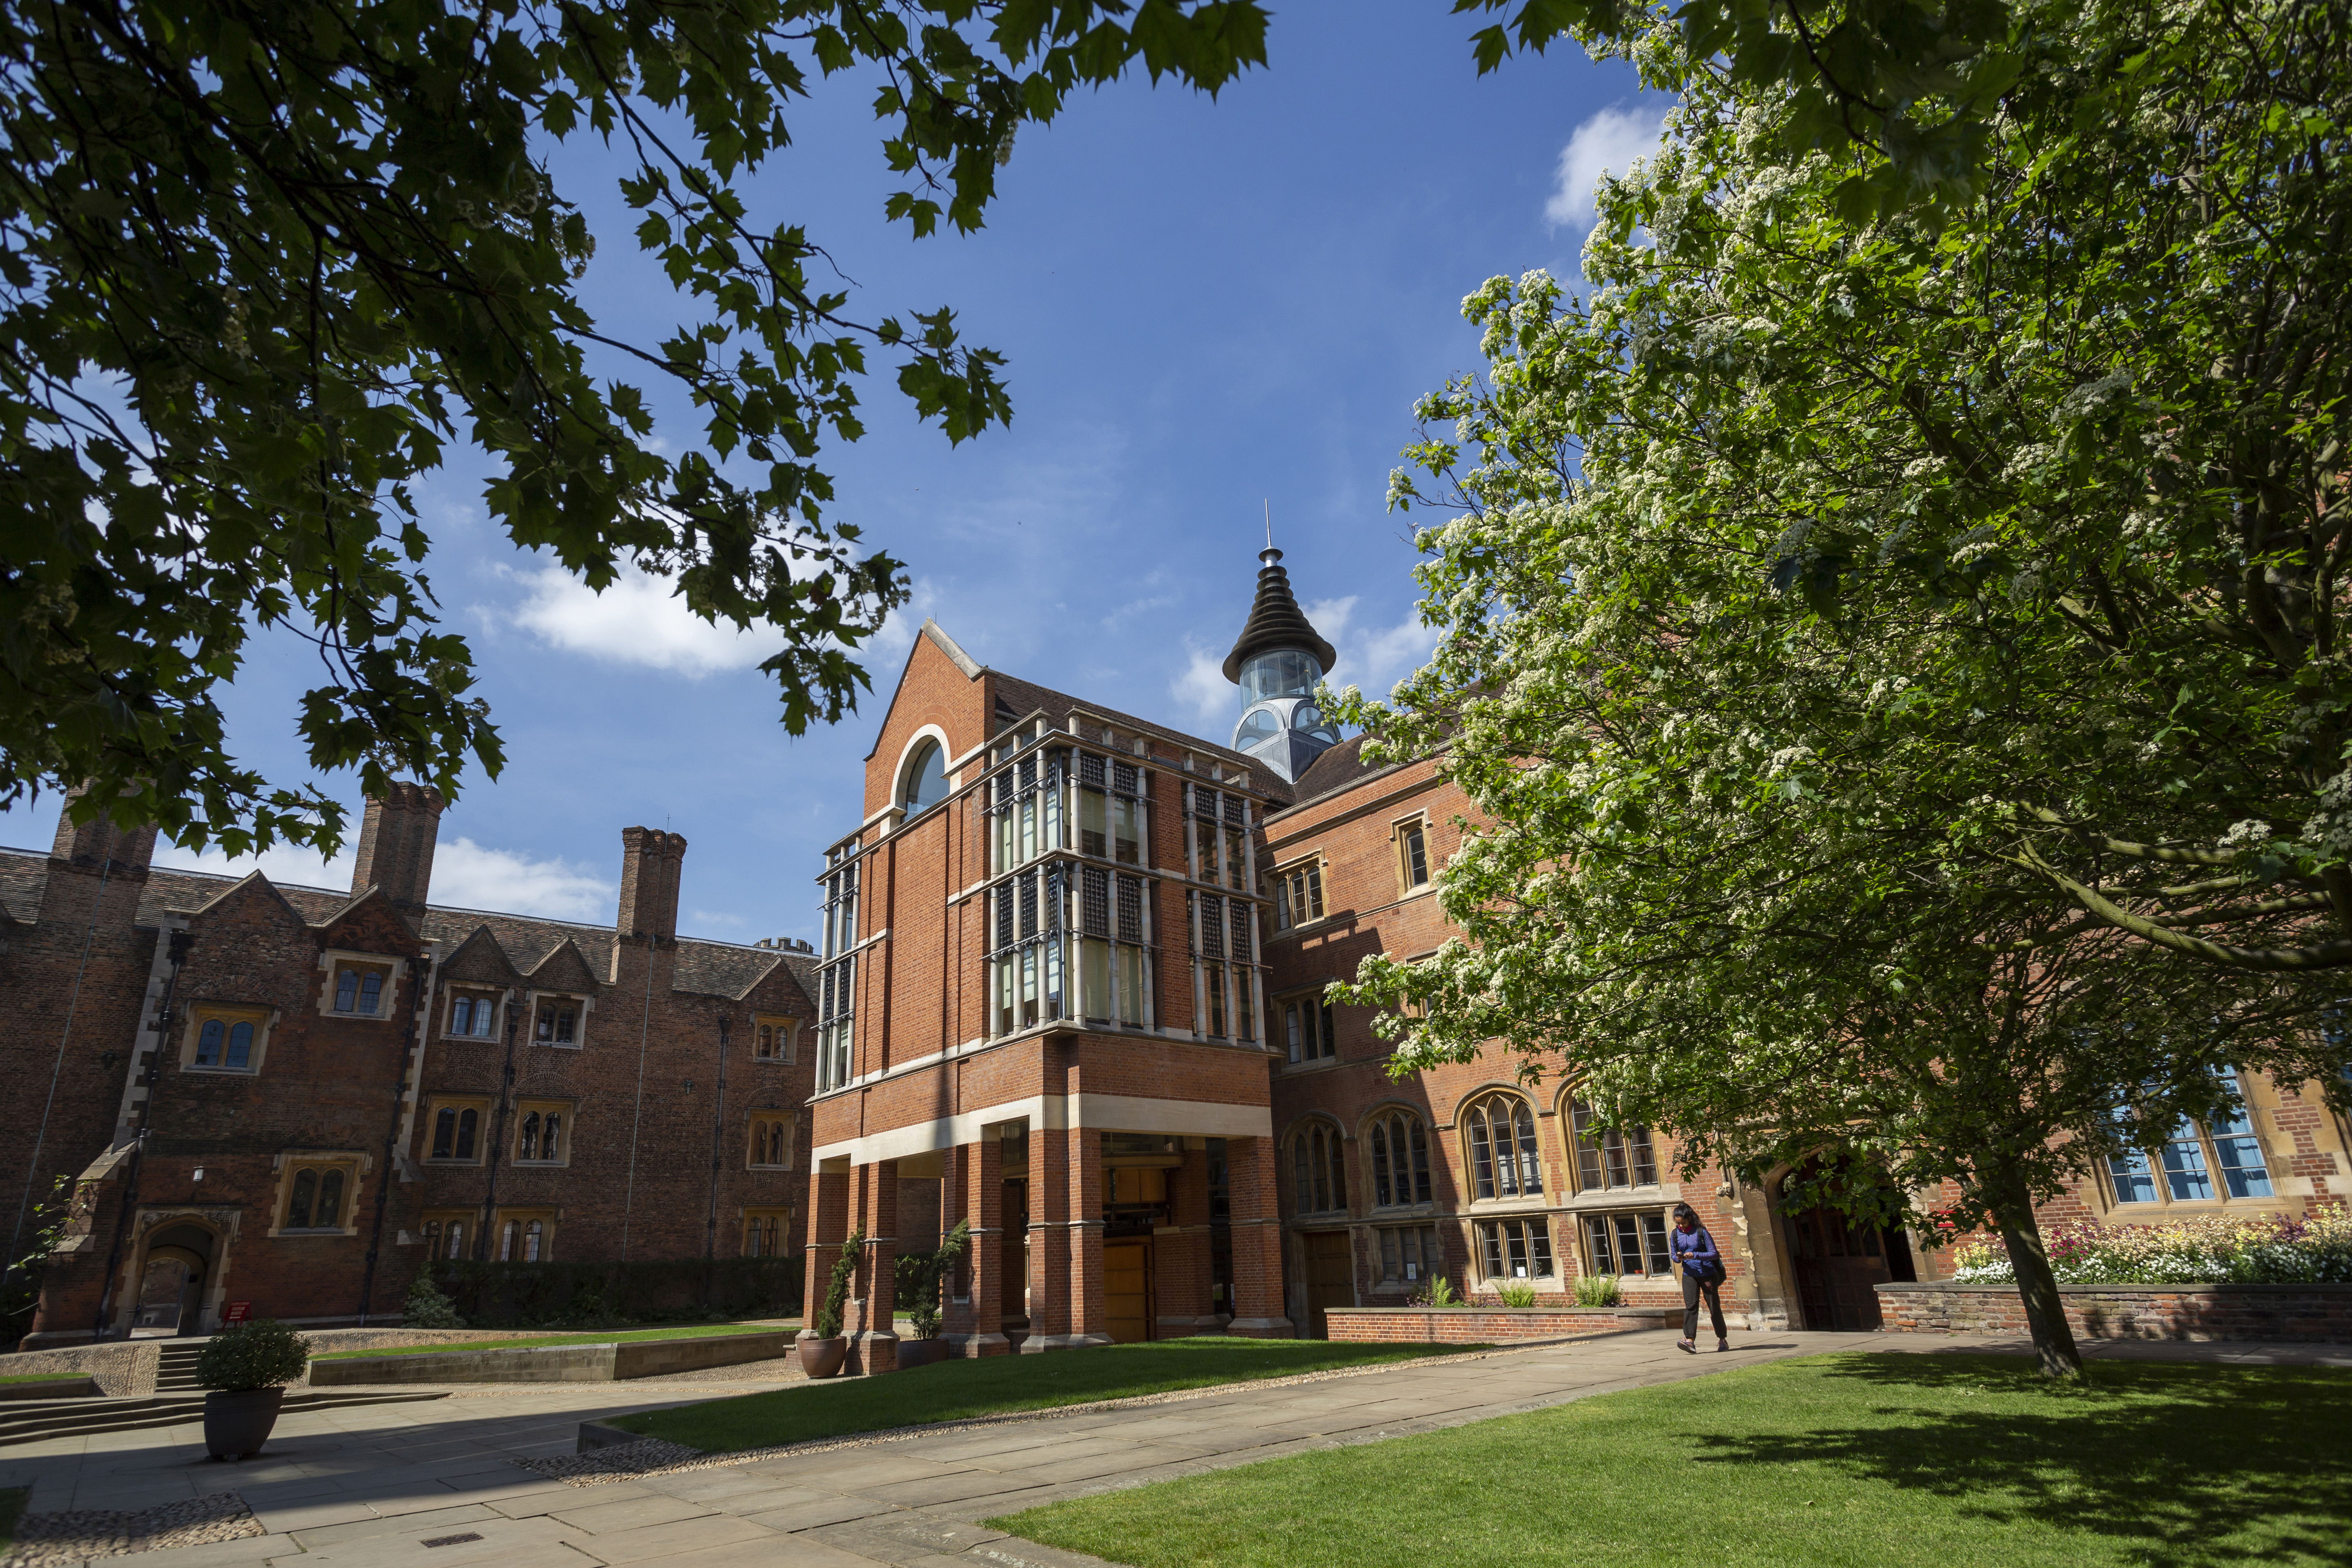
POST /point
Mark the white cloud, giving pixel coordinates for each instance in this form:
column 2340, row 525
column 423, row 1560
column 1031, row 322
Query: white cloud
column 1374, row 657
column 1609, row 143
column 707, row 918
column 1204, row 691
column 639, row 619
column 470, row 876
column 465, row 874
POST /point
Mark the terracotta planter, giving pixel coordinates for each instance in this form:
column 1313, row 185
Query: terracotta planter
column 237, row 1420
column 821, row 1358
column 921, row 1353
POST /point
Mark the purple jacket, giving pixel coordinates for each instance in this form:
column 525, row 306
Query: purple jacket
column 1695, row 1251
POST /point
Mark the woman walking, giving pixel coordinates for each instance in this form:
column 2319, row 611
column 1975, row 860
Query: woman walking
column 1702, row 1271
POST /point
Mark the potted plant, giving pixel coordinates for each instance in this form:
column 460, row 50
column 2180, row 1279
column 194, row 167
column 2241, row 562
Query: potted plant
column 823, row 1348
column 922, row 1278
column 246, row 1369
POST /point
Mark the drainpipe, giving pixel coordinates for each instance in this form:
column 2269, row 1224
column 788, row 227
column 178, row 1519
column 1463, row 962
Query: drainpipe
column 181, row 942
column 717, row 1138
column 498, row 1131
column 410, row 1043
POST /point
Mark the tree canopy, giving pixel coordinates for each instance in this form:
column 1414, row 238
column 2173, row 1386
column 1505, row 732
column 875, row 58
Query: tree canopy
column 1895, row 656
column 261, row 261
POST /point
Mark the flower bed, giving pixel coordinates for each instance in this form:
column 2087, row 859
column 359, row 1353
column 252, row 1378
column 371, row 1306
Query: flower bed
column 2213, row 1250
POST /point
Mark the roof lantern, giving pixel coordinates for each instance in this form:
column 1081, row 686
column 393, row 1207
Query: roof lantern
column 1277, row 662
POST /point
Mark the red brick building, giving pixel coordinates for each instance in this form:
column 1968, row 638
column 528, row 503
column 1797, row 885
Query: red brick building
column 289, row 1096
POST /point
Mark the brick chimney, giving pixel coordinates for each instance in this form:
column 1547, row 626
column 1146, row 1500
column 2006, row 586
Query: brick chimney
column 650, row 863
column 397, row 845
column 89, row 846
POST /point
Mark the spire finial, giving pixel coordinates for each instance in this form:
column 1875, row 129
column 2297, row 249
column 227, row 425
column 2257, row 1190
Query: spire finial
column 1270, row 556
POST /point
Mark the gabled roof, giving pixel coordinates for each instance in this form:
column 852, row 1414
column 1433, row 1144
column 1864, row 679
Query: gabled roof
column 564, row 970
column 480, row 959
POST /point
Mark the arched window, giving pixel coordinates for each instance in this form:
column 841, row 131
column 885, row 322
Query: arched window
column 457, row 1240
column 551, row 1137
column 1504, row 1162
column 526, row 1146
column 512, row 1234
column 925, row 783
column 1400, row 1159
column 467, row 1120
column 1318, row 1171
column 533, row 1233
column 1609, row 1158
column 240, row 1045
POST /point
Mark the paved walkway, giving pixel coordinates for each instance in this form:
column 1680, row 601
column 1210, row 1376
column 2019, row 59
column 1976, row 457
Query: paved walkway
column 371, row 1486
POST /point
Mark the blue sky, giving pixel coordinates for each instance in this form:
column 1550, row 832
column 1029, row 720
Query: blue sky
column 1206, row 306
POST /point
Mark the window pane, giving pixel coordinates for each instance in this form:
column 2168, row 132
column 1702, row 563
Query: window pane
column 1380, row 1197
column 1130, row 984
column 1588, row 1153
column 532, row 1234
column 1492, row 1235
column 551, row 1144
column 347, row 990
column 1629, row 1244
column 1339, row 1171
column 1612, row 1151
column 1530, row 1164
column 208, row 1042
column 1392, row 1258
column 1482, row 1165
column 1597, row 1238
column 2135, row 1181
column 370, row 991
column 1302, row 1177
column 1646, row 1164
column 306, row 1190
column 1416, row 858
column 456, row 1238
column 1326, row 1032
column 1420, row 1163
column 526, row 1146
column 467, row 1121
column 240, row 1045
column 330, row 1200
column 1539, row 1248
column 2184, row 1164
column 445, row 1134
column 1654, row 1238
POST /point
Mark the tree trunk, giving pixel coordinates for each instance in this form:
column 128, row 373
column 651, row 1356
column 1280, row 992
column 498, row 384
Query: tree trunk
column 2045, row 1312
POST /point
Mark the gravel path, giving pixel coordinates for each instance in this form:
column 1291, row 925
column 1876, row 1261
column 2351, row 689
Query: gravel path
column 51, row 1539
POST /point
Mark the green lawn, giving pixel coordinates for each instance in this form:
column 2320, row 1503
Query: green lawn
column 691, row 1332
column 959, row 1390
column 41, row 1376
column 1943, row 1460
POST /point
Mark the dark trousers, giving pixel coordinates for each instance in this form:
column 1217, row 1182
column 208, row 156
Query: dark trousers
column 1694, row 1287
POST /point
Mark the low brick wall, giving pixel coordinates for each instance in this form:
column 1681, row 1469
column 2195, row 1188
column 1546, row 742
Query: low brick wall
column 557, row 1364
column 121, row 1369
column 2286, row 1313
column 1485, row 1325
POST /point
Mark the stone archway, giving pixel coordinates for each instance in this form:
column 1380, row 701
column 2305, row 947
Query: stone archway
column 173, row 1274
column 1836, row 1264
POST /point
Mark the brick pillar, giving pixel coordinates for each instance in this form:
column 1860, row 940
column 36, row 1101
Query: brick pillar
column 1089, row 1314
column 872, row 1321
column 1257, row 1241
column 828, row 1226
column 1180, row 1254
column 1049, row 1241
column 975, row 1187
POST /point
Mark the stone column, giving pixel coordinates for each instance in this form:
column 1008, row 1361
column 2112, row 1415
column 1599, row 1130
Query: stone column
column 1180, row 1254
column 1049, row 1240
column 1089, row 1313
column 976, row 1189
column 828, row 1226
column 872, row 1321
column 1257, row 1241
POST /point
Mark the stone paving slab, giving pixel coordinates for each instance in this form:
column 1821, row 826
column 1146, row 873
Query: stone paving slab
column 367, row 1488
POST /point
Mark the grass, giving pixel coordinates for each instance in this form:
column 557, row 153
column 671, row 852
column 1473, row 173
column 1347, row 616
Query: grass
column 690, row 1331
column 1847, row 1461
column 12, row 1508
column 41, row 1376
column 959, row 1390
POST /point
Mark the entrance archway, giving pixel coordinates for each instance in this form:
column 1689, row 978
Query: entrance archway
column 174, row 1267
column 1838, row 1264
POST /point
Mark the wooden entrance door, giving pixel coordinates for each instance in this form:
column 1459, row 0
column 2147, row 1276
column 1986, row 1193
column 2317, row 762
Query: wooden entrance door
column 1331, row 1276
column 1127, row 1290
column 1838, row 1266
column 1012, row 1300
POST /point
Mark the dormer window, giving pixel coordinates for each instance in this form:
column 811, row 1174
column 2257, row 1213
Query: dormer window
column 558, row 1022
column 359, row 989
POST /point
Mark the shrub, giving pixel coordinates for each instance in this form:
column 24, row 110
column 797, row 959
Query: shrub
column 261, row 1355
column 1597, row 1291
column 609, row 1294
column 1439, row 1292
column 922, row 1279
column 1517, row 1294
column 427, row 1308
column 836, row 1292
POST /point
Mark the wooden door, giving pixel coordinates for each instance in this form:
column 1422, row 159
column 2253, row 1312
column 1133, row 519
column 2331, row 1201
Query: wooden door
column 1331, row 1276
column 1014, row 1299
column 1838, row 1267
column 1127, row 1290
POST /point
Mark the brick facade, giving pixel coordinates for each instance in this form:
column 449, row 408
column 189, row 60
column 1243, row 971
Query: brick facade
column 252, row 1084
column 2302, row 1313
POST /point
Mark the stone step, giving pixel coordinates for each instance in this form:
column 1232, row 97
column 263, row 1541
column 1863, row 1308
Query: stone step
column 37, row 1421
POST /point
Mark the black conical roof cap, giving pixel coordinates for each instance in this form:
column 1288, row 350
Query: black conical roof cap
column 1276, row 621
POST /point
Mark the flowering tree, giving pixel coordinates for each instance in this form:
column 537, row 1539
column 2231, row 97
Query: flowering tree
column 1898, row 658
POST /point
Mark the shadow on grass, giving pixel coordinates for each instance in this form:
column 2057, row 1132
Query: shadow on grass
column 2164, row 1458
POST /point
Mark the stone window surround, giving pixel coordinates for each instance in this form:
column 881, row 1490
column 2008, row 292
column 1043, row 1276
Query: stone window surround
column 582, row 1007
column 520, row 1216
column 760, row 1120
column 452, row 990
column 263, row 1019
column 788, row 1030
column 779, row 1215
column 1406, row 886
column 355, row 1164
column 334, row 959
column 435, row 1105
column 540, row 1105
